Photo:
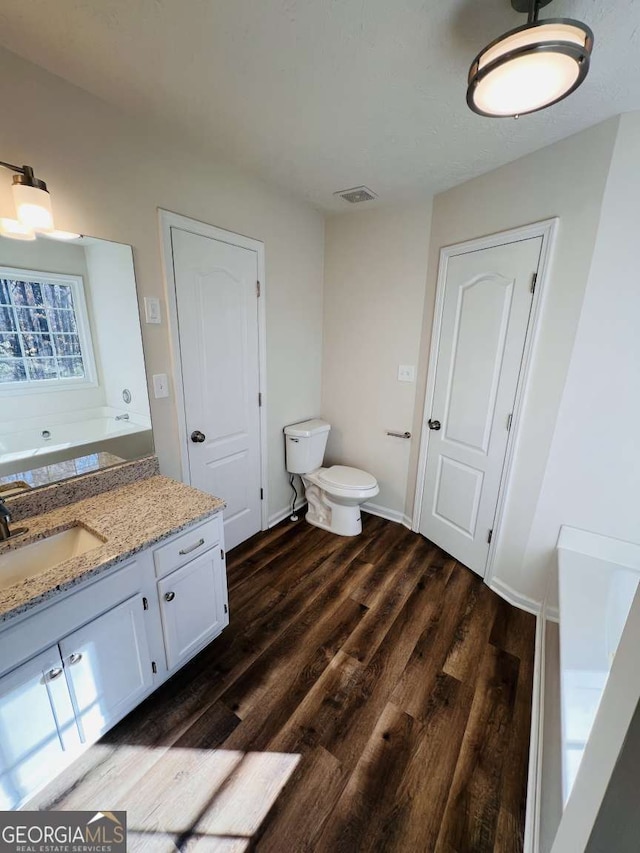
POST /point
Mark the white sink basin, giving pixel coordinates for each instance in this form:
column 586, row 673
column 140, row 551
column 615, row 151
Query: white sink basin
column 30, row 560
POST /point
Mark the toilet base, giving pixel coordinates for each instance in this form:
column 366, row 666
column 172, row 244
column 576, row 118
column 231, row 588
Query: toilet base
column 338, row 514
column 342, row 520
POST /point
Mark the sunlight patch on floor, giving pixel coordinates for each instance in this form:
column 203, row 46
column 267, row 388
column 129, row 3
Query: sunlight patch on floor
column 211, row 800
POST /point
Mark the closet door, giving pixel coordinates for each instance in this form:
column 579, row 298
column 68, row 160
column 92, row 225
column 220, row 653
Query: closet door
column 485, row 315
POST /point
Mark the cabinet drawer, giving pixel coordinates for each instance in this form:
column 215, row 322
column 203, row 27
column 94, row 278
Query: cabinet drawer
column 186, row 546
column 28, row 636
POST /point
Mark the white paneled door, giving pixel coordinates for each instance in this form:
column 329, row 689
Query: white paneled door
column 487, row 303
column 217, row 306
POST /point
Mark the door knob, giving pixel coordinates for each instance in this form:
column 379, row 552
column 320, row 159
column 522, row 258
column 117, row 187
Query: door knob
column 54, row 673
column 75, row 657
column 169, row 596
column 434, row 424
column 197, row 436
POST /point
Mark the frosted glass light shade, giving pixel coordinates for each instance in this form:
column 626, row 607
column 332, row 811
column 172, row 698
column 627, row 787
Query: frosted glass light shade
column 530, row 68
column 14, row 229
column 33, row 206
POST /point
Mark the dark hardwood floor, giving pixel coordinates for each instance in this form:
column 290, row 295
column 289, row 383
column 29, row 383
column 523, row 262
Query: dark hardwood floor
column 370, row 694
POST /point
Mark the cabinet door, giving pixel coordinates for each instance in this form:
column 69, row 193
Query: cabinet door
column 108, row 667
column 38, row 733
column 193, row 606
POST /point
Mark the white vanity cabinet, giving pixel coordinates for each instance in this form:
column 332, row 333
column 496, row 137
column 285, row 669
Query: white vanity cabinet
column 193, row 606
column 192, row 591
column 71, row 668
column 37, row 725
column 107, row 667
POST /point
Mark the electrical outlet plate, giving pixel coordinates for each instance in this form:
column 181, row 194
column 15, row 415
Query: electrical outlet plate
column 152, row 310
column 160, row 385
column 406, row 373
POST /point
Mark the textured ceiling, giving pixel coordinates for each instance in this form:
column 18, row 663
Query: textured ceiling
column 319, row 95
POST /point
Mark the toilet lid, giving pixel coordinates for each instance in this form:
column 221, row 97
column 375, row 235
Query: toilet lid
column 347, row 478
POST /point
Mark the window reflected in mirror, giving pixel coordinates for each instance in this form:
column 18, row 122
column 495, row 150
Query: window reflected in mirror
column 73, row 391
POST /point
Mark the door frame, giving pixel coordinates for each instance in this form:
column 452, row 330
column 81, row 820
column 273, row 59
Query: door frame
column 169, row 220
column 547, row 230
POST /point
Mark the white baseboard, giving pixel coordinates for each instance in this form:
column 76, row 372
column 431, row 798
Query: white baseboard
column 534, row 780
column 517, row 599
column 373, row 509
column 389, row 514
column 281, row 514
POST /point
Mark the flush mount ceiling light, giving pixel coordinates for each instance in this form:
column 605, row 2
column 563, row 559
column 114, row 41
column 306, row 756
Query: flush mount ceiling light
column 531, row 67
column 33, row 205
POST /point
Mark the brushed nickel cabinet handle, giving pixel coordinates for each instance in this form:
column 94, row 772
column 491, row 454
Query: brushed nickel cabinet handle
column 169, row 596
column 75, row 657
column 54, row 673
column 193, row 547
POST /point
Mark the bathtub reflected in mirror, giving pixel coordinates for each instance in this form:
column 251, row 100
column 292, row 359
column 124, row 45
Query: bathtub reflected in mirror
column 73, row 390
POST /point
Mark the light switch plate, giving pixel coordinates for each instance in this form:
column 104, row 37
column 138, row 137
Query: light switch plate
column 160, row 385
column 406, row 373
column 152, row 310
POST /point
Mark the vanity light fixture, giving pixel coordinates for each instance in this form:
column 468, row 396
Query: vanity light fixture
column 62, row 235
column 32, row 201
column 14, row 229
column 531, row 67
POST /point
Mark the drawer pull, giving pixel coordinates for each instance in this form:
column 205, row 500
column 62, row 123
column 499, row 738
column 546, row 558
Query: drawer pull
column 54, row 673
column 191, row 548
column 75, row 657
column 169, row 596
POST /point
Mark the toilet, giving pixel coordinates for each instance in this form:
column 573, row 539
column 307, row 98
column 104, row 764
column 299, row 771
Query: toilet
column 334, row 494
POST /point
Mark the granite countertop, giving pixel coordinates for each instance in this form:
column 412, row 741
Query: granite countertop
column 128, row 519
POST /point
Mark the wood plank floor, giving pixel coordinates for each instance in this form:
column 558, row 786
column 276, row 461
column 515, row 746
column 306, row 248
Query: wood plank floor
column 370, row 694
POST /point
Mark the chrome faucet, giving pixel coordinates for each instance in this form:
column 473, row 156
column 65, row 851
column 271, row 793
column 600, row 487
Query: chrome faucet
column 122, row 417
column 5, row 518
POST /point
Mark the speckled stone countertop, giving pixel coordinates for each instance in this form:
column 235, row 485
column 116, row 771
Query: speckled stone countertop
column 128, row 519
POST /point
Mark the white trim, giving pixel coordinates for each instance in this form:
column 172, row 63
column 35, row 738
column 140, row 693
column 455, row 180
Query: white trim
column 552, row 614
column 169, row 220
column 383, row 512
column 536, row 742
column 547, row 230
column 81, row 313
column 279, row 516
column 390, row 514
column 513, row 597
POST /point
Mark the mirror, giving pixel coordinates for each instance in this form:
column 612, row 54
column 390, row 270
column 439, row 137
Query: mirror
column 73, row 390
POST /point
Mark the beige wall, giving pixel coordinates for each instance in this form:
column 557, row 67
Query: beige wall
column 108, row 174
column 565, row 180
column 592, row 479
column 375, row 271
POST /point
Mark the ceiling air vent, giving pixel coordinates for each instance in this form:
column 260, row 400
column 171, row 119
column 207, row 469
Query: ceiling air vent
column 356, row 194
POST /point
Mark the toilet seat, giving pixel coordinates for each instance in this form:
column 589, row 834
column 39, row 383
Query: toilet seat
column 345, row 477
column 348, row 490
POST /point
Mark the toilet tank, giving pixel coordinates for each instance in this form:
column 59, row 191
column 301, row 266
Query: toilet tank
column 304, row 445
